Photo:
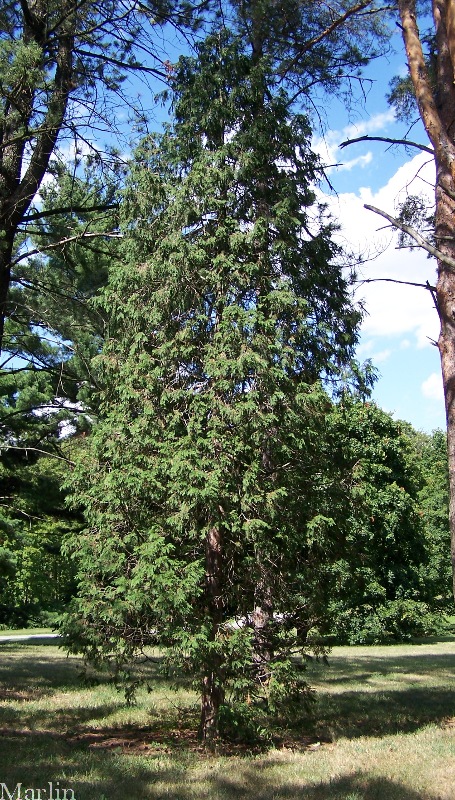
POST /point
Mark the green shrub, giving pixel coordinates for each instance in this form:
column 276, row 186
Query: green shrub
column 395, row 621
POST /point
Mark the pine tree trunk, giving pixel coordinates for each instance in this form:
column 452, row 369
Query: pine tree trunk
column 445, row 291
column 436, row 103
column 6, row 249
column 212, row 682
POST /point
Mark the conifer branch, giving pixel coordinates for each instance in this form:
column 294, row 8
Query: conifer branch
column 75, row 209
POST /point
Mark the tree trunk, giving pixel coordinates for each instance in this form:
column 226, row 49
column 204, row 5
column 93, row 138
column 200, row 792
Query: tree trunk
column 212, row 682
column 445, row 292
column 263, row 650
column 436, row 101
column 6, row 249
column 211, row 701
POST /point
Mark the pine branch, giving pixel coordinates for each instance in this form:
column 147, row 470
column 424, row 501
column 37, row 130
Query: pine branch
column 68, row 210
column 63, row 242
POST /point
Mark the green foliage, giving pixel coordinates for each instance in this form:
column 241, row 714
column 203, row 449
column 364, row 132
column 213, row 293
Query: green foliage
column 434, row 504
column 21, row 69
column 390, row 621
column 56, row 328
column 402, row 98
column 35, row 577
column 51, row 338
column 380, row 582
column 47, row 388
column 414, row 211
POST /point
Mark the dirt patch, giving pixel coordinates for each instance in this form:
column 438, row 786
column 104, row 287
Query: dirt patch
column 21, row 694
column 140, row 740
column 137, row 739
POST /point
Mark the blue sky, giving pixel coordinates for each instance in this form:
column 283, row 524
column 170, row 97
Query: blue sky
column 401, row 323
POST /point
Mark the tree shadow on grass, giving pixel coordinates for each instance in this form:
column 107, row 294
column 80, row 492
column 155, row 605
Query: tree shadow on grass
column 42, row 667
column 257, row 786
column 354, row 714
column 53, row 722
column 114, row 776
column 33, row 675
column 38, row 668
column 380, row 696
column 344, row 669
column 38, row 759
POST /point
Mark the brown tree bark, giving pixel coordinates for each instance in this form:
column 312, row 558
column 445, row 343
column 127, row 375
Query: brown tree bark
column 436, row 102
column 6, row 250
column 212, row 682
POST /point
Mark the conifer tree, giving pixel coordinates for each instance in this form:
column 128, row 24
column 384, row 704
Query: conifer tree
column 207, row 485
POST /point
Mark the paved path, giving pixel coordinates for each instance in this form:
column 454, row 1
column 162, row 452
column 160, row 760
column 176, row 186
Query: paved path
column 30, row 637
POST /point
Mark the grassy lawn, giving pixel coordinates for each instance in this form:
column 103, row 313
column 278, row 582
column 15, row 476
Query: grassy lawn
column 385, row 730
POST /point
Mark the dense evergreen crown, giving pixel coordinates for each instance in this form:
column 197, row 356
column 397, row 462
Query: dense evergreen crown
column 207, row 487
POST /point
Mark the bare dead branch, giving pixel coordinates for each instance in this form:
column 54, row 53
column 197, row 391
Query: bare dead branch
column 39, row 450
column 385, row 139
column 68, row 210
column 421, row 241
column 426, row 285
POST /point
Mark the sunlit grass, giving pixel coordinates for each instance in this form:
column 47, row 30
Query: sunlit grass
column 384, row 725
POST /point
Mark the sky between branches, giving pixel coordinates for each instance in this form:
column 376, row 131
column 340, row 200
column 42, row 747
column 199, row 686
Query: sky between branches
column 401, row 323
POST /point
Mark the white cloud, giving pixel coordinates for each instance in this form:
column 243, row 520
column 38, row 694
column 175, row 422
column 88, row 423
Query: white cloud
column 327, row 146
column 382, row 356
column 392, row 309
column 360, row 161
column 366, row 350
column 432, row 387
column 367, row 126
